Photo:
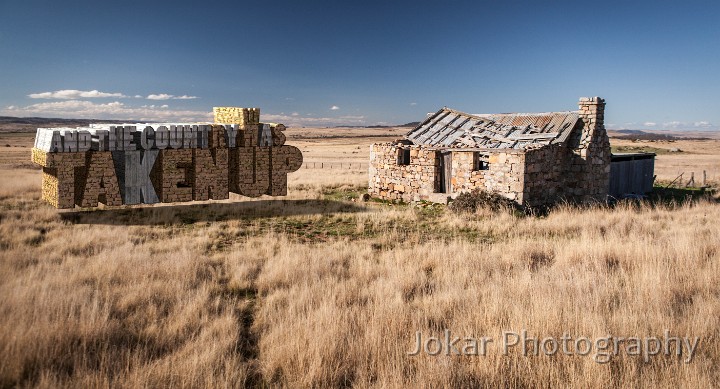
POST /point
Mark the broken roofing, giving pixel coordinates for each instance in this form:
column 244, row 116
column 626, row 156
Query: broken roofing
column 453, row 129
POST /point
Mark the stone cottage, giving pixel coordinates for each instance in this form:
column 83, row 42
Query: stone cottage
column 532, row 158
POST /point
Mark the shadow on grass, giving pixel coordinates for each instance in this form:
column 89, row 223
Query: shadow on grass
column 663, row 195
column 208, row 212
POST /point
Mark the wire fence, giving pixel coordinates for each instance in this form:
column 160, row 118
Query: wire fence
column 335, row 165
column 690, row 180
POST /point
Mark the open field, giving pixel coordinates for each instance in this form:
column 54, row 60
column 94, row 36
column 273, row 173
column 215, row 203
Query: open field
column 317, row 290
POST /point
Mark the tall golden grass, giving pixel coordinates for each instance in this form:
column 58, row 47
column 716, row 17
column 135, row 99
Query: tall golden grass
column 312, row 292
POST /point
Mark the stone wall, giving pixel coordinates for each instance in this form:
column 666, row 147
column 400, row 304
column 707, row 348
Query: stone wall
column 504, row 173
column 392, row 181
column 420, row 179
column 545, row 178
column 556, row 173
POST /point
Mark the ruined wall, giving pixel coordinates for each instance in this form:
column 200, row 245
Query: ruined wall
column 576, row 170
column 556, row 173
column 589, row 154
column 538, row 176
column 420, row 179
column 463, row 177
column 143, row 163
column 391, row 181
column 504, row 174
column 546, row 170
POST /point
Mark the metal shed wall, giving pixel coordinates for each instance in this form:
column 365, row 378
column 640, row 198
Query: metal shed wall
column 631, row 174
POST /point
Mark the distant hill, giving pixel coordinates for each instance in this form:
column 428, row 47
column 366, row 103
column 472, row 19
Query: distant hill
column 650, row 135
column 640, row 135
column 16, row 124
column 411, row 124
column 632, row 132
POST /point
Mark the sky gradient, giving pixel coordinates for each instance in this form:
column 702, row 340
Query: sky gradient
column 322, row 63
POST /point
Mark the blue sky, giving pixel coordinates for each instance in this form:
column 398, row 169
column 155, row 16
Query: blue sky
column 657, row 63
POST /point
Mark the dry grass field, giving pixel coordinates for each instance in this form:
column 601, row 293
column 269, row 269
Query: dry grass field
column 317, row 290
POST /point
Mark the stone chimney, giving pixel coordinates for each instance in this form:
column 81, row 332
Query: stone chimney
column 593, row 150
column 592, row 112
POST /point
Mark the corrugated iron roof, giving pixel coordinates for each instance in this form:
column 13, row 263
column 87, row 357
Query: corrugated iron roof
column 451, row 128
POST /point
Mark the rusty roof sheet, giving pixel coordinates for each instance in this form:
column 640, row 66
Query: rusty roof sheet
column 455, row 129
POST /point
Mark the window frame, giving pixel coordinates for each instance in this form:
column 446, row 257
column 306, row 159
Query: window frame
column 480, row 161
column 403, row 157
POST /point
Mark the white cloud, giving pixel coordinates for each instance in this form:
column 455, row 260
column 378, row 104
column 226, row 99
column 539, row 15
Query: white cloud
column 413, row 104
column 160, row 96
column 165, row 96
column 334, row 108
column 670, row 125
column 74, row 94
column 84, row 109
column 307, row 121
column 80, row 109
column 674, row 124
